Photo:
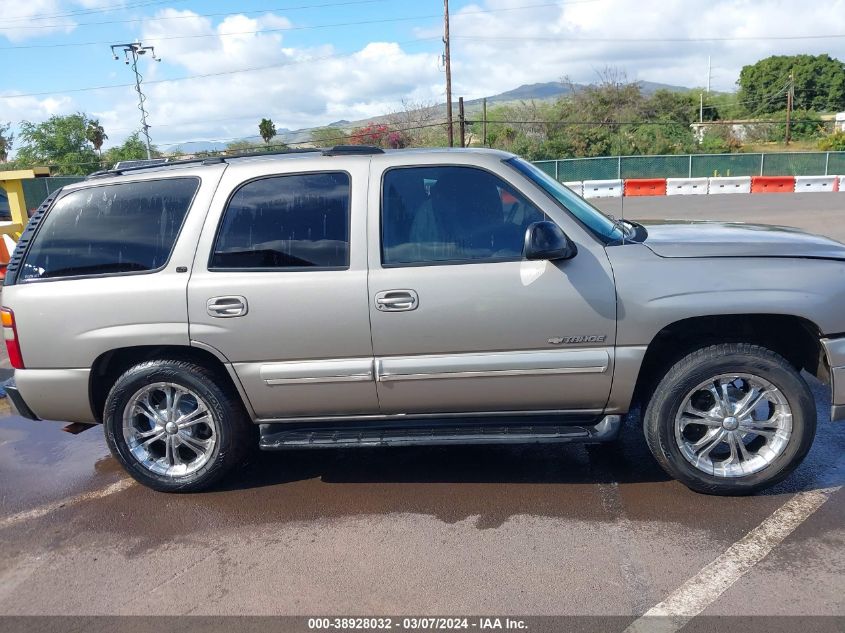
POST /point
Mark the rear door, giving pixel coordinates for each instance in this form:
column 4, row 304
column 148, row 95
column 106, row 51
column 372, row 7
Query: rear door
column 460, row 322
column 280, row 286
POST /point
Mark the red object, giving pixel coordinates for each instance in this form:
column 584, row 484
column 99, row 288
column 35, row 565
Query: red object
column 645, row 187
column 13, row 347
column 772, row 184
column 507, row 197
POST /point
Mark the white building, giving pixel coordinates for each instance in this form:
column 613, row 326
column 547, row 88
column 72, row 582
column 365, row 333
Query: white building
column 840, row 122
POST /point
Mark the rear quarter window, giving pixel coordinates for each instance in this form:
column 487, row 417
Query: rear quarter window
column 120, row 228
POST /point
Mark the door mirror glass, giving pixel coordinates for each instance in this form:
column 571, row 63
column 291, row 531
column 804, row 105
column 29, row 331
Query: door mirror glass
column 546, row 240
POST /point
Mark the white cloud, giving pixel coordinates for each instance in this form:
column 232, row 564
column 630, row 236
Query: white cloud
column 584, row 37
column 498, row 45
column 16, row 19
column 295, row 87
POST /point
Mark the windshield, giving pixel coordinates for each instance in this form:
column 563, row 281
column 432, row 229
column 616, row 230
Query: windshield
column 594, row 219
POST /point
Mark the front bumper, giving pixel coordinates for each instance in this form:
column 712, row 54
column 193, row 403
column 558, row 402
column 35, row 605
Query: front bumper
column 835, row 351
column 17, row 402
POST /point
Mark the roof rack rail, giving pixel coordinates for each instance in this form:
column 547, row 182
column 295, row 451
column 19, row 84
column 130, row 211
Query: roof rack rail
column 205, row 160
column 352, row 150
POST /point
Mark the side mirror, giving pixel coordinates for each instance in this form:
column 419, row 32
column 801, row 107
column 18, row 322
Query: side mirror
column 546, row 240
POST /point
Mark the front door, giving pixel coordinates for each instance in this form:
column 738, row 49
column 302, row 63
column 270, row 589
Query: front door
column 279, row 288
column 460, row 322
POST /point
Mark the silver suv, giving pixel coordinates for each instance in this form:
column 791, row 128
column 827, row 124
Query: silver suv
column 352, row 297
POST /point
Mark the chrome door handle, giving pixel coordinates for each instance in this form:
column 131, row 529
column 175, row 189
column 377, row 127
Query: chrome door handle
column 227, row 307
column 397, row 300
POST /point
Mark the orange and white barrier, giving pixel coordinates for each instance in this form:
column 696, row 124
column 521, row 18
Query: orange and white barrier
column 687, row 186
column 729, row 184
column 645, row 187
column 702, row 186
column 603, row 188
column 815, row 184
column 773, row 184
column 577, row 186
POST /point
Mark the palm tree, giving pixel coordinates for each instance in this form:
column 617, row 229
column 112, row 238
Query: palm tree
column 96, row 135
column 267, row 129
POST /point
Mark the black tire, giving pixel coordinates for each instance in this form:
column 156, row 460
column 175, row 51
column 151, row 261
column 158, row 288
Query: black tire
column 710, row 362
column 234, row 433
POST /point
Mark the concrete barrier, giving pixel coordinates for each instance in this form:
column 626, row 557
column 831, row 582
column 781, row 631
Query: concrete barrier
column 815, row 183
column 577, row 186
column 840, row 184
column 687, row 186
column 603, row 188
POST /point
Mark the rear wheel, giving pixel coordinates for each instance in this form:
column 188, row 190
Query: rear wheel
column 174, row 427
column 730, row 419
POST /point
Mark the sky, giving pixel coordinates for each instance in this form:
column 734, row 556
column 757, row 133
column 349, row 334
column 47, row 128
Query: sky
column 225, row 64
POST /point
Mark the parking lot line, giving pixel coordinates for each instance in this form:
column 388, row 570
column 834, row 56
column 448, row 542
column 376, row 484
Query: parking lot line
column 703, row 589
column 37, row 513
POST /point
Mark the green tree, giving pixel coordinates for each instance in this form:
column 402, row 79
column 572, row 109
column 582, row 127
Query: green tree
column 6, row 139
column 267, row 130
column 819, row 83
column 133, row 148
column 244, row 146
column 96, row 135
column 833, row 142
column 328, row 136
column 609, row 118
column 60, row 142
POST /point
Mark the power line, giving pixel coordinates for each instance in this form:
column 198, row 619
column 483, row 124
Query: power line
column 120, row 7
column 566, row 38
column 206, row 75
column 301, row 28
column 205, row 15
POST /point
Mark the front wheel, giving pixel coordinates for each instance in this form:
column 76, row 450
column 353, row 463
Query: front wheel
column 174, row 427
column 730, row 419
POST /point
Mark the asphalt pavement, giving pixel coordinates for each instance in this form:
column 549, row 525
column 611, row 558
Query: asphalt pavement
column 523, row 530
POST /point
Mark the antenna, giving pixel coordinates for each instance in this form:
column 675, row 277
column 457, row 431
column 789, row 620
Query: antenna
column 131, row 52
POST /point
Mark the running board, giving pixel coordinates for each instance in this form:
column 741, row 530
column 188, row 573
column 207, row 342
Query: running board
column 274, row 438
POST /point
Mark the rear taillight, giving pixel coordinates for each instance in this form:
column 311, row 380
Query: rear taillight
column 10, row 333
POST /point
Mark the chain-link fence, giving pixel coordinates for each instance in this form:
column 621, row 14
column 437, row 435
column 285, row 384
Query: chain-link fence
column 612, row 167
column 696, row 166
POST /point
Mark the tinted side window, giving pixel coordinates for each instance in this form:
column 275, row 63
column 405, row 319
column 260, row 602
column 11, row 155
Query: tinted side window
column 452, row 214
column 127, row 227
column 293, row 221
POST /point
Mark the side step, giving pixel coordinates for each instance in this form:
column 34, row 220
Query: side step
column 276, row 437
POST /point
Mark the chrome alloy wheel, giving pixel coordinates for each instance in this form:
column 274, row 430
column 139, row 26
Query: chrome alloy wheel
column 169, row 429
column 733, row 425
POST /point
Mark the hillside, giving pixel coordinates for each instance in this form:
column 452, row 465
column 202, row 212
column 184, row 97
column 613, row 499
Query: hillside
column 527, row 92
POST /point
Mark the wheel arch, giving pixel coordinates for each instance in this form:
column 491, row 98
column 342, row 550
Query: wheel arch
column 109, row 366
column 795, row 338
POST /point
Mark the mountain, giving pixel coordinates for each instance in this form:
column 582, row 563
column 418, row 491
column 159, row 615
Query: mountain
column 527, row 92
column 555, row 89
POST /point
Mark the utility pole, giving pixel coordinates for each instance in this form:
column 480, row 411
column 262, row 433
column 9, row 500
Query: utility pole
column 790, row 102
column 448, row 63
column 463, row 121
column 131, row 52
column 484, row 120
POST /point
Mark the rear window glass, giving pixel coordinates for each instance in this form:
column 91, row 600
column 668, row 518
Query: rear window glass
column 296, row 221
column 129, row 227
